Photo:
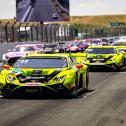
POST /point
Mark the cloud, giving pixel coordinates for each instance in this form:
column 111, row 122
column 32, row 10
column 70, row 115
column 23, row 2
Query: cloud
column 8, row 7
column 93, row 4
column 83, row 5
column 100, row 4
column 12, row 3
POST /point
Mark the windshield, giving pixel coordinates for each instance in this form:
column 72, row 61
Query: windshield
column 39, row 46
column 75, row 44
column 50, row 46
column 95, row 42
column 101, row 51
column 24, row 48
column 41, row 62
column 122, row 49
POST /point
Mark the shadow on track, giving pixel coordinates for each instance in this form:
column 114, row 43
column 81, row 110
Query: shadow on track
column 81, row 94
column 85, row 93
column 105, row 70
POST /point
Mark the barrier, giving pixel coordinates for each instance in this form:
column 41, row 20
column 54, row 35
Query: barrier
column 20, row 32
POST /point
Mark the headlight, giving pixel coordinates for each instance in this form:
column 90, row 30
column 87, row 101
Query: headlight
column 56, row 79
column 112, row 60
column 10, row 78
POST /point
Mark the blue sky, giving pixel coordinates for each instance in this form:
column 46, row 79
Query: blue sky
column 77, row 7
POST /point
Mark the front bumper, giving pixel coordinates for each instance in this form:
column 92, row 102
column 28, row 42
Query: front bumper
column 103, row 65
column 12, row 89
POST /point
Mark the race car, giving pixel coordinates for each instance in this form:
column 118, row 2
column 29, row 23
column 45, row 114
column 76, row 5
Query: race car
column 53, row 47
column 105, row 56
column 55, row 16
column 19, row 50
column 44, row 74
column 76, row 47
column 122, row 49
column 78, row 57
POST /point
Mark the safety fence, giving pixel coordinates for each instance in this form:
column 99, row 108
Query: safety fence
column 20, row 32
column 87, row 31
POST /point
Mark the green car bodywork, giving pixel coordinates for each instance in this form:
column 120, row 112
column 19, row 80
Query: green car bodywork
column 122, row 49
column 105, row 56
column 49, row 74
column 77, row 57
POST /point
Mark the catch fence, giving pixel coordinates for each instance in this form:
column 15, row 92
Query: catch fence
column 20, row 32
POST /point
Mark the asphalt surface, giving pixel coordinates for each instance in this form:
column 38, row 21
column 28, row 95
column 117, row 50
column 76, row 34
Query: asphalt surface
column 43, row 11
column 105, row 106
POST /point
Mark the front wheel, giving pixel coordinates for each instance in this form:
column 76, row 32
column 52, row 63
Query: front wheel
column 84, row 82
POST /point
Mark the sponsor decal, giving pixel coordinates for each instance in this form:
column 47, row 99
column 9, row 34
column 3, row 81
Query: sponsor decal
column 32, row 84
column 35, row 78
column 98, row 59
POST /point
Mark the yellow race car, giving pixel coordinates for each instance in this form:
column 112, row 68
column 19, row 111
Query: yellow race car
column 105, row 56
column 44, row 74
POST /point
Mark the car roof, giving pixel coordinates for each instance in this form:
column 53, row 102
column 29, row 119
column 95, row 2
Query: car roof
column 121, row 46
column 46, row 55
column 102, row 46
column 25, row 45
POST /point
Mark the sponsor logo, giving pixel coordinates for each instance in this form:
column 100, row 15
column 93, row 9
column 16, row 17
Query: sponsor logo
column 36, row 78
column 32, row 84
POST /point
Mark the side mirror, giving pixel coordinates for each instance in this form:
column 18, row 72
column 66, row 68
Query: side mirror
column 6, row 66
column 79, row 66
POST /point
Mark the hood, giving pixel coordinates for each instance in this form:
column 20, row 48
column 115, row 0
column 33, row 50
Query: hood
column 35, row 72
column 37, row 75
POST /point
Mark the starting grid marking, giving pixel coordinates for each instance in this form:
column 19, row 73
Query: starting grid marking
column 89, row 93
column 86, row 94
column 124, row 72
column 1, row 96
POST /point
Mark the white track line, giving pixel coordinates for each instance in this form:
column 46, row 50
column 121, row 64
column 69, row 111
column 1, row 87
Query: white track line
column 26, row 14
column 88, row 94
column 1, row 96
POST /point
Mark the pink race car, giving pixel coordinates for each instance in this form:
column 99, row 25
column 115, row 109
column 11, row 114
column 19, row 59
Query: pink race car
column 19, row 50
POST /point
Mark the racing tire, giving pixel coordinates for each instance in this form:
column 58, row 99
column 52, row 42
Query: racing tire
column 87, row 81
column 118, row 69
column 83, row 83
column 73, row 94
column 5, row 94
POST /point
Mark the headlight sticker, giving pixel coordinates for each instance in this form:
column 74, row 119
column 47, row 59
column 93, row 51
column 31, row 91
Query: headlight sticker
column 59, row 78
column 10, row 78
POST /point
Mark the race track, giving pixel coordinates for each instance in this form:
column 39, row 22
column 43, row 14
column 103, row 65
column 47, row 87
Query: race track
column 43, row 11
column 105, row 106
